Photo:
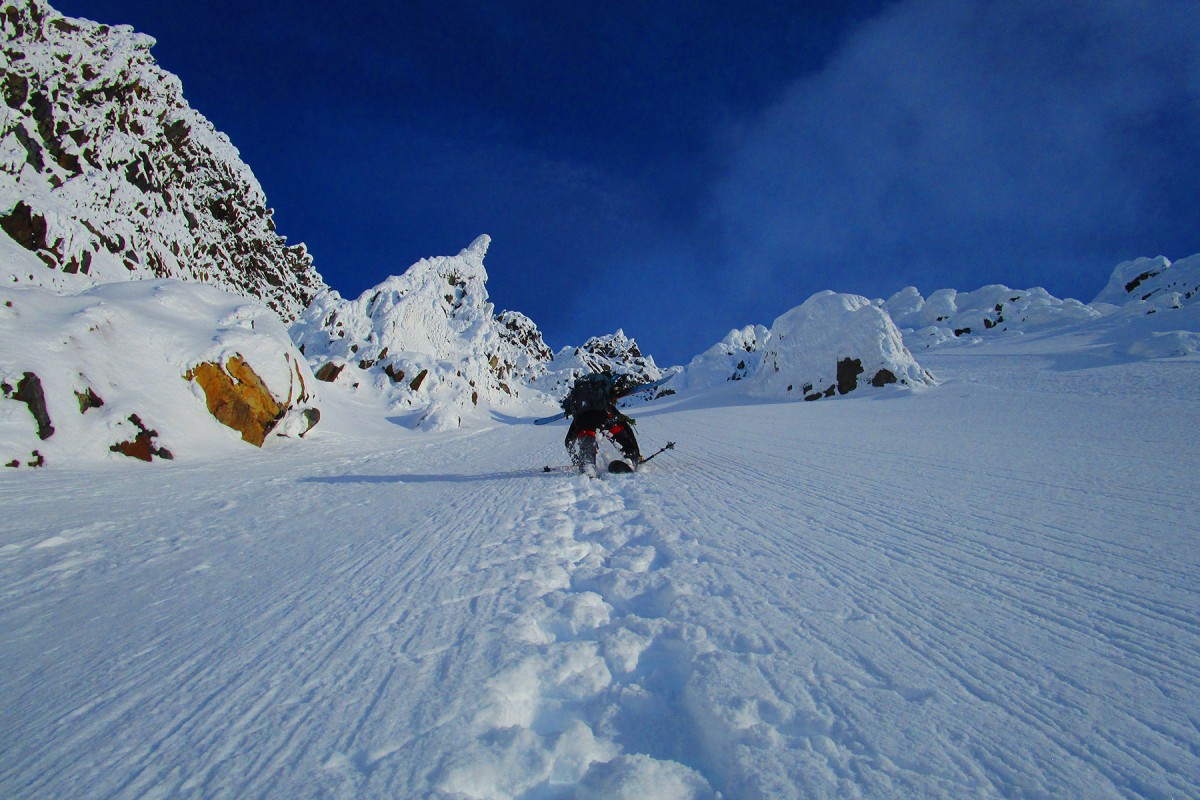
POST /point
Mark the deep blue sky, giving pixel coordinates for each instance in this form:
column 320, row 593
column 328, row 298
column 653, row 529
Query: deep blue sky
column 679, row 169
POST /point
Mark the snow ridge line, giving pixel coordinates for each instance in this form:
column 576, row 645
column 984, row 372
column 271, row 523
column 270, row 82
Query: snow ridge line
column 598, row 698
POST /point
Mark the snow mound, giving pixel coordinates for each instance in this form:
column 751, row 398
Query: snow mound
column 428, row 339
column 830, row 344
column 734, row 358
column 102, row 374
column 106, row 172
column 948, row 315
column 1154, row 280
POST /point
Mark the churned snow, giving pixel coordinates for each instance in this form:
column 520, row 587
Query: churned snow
column 988, row 588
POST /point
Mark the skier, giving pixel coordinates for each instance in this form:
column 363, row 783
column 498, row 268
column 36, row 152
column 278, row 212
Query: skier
column 592, row 403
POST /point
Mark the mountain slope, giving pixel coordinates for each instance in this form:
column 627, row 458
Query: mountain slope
column 986, row 589
column 106, row 172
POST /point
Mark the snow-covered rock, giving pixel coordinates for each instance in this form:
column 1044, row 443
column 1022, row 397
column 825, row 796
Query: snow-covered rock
column 106, row 172
column 615, row 353
column 429, row 339
column 832, row 344
column 114, row 370
column 734, row 358
column 1168, row 285
column 948, row 315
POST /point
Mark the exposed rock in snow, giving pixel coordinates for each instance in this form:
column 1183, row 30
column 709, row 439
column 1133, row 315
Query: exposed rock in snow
column 106, row 173
column 831, row 344
column 428, row 339
column 109, row 372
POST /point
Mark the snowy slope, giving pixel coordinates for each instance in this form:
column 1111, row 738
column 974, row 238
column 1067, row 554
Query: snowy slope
column 986, row 589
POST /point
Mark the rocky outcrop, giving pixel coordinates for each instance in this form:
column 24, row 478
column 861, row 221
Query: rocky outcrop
column 147, row 370
column 142, row 446
column 734, row 358
column 29, row 391
column 1158, row 281
column 238, row 398
column 106, row 172
column 615, row 353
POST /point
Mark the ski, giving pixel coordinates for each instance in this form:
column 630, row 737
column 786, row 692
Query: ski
column 639, row 388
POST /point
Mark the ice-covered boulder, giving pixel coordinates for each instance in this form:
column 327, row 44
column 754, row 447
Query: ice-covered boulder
column 106, row 172
column 148, row 369
column 834, row 344
column 429, row 339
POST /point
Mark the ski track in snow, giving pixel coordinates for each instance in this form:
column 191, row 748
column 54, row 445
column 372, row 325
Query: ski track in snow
column 976, row 592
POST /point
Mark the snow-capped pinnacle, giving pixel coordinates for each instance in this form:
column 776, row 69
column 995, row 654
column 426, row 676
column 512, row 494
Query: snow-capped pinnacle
column 477, row 249
column 429, row 338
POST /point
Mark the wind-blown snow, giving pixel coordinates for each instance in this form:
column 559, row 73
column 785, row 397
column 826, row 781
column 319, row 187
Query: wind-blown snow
column 985, row 589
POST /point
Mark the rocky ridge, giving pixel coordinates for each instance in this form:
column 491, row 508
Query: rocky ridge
column 106, row 172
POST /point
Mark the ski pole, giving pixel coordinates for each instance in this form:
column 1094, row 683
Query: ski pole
column 660, row 451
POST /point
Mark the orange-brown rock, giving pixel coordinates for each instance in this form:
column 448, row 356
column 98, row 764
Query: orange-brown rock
column 237, row 397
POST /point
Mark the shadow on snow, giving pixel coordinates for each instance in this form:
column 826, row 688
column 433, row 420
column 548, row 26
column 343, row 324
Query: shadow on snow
column 531, row 472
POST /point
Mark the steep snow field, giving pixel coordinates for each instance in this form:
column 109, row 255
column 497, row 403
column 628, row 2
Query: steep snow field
column 990, row 588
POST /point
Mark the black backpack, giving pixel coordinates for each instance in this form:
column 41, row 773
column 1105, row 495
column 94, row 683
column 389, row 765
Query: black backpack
column 592, row 392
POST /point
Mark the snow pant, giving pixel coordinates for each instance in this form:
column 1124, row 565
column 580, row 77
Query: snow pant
column 581, row 436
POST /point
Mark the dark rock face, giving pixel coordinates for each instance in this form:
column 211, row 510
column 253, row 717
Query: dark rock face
column 89, row 107
column 311, row 416
column 88, row 399
column 883, row 378
column 142, row 446
column 329, row 372
column 25, row 227
column 29, row 391
column 848, row 370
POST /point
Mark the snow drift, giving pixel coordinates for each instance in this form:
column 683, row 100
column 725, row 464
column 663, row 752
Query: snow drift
column 829, row 344
column 948, row 315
